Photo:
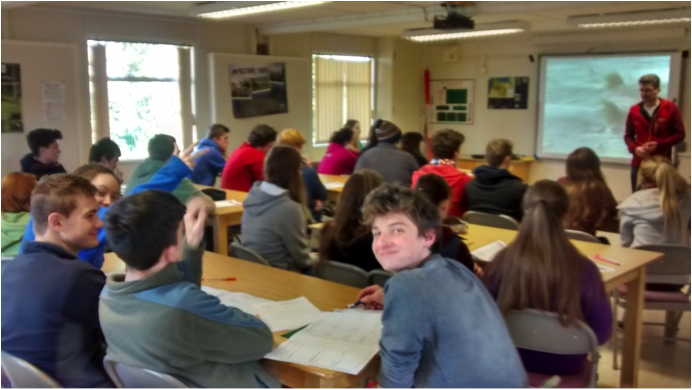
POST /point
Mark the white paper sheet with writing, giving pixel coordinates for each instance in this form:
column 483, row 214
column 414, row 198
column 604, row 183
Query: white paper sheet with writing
column 242, row 301
column 227, row 203
column 339, row 341
column 486, row 253
column 333, row 185
column 287, row 315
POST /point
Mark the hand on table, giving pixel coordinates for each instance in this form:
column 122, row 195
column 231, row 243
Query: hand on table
column 372, row 297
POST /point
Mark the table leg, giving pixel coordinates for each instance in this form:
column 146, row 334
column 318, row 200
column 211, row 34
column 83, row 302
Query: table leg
column 221, row 236
column 632, row 337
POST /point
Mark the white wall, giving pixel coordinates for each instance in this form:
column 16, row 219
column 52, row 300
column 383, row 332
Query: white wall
column 75, row 27
column 509, row 56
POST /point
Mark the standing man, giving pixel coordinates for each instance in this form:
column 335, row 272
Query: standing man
column 653, row 126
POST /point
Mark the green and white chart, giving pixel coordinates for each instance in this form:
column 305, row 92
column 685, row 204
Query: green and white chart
column 452, row 101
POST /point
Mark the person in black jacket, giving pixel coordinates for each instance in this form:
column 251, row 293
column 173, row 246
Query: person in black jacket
column 45, row 152
column 494, row 189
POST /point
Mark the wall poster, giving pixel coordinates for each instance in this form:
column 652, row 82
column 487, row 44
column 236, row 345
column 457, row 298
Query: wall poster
column 258, row 89
column 452, row 101
column 508, row 92
column 11, row 99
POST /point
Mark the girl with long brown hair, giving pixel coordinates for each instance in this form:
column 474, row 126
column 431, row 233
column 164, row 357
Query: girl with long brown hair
column 16, row 199
column 344, row 238
column 590, row 200
column 542, row 270
column 275, row 214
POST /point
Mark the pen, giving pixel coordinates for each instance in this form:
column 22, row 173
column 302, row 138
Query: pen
column 598, row 257
column 219, row 279
column 354, row 305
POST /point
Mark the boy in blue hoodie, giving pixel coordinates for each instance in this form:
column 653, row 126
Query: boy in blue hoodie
column 441, row 327
column 209, row 166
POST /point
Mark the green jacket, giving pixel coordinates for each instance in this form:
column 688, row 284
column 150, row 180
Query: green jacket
column 148, row 168
column 12, row 231
column 166, row 323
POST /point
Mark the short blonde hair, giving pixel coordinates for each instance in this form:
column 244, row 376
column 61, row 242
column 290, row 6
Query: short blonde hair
column 291, row 138
column 497, row 150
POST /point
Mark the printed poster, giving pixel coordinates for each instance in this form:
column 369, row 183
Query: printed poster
column 508, row 92
column 452, row 101
column 11, row 99
column 258, row 89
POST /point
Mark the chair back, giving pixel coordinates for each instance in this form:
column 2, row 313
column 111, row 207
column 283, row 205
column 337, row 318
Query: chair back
column 673, row 268
column 342, row 273
column 124, row 376
column 542, row 331
column 451, row 220
column 378, row 277
column 244, row 253
column 578, row 235
column 23, row 374
column 497, row 221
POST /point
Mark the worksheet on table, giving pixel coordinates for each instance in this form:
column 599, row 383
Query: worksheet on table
column 287, row 315
column 242, row 301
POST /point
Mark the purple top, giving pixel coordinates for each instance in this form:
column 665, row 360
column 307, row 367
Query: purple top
column 337, row 161
column 596, row 313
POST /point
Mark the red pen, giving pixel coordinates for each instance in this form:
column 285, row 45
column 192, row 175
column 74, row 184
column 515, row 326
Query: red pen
column 598, row 257
column 219, row 279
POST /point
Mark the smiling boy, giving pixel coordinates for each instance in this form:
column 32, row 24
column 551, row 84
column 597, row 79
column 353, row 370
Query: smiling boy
column 441, row 328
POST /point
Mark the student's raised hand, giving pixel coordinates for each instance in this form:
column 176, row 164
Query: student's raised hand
column 189, row 158
column 195, row 218
column 372, row 297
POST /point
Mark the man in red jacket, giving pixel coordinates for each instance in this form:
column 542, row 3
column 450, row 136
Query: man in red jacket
column 653, row 126
column 246, row 164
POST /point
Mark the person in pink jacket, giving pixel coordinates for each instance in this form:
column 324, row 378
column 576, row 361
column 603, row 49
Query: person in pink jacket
column 340, row 158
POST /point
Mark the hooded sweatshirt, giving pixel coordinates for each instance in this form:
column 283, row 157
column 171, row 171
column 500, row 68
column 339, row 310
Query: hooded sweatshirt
column 337, row 160
column 31, row 165
column 209, row 165
column 146, row 170
column 641, row 220
column 12, row 229
column 495, row 191
column 275, row 227
column 457, row 181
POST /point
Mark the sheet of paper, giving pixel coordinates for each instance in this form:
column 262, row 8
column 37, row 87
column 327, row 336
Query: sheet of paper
column 227, row 203
column 486, row 253
column 334, row 355
column 53, row 100
column 333, row 185
column 287, row 315
column 350, row 326
column 604, row 268
column 242, row 301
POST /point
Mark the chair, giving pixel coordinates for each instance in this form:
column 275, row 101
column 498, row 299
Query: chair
column 124, row 376
column 452, row 220
column 342, row 273
column 244, row 253
column 378, row 277
column 578, row 235
column 541, row 331
column 497, row 221
column 23, row 374
column 674, row 269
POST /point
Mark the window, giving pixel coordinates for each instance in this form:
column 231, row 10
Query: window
column 135, row 93
column 342, row 90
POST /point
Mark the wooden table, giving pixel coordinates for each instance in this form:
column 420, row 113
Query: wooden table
column 225, row 217
column 276, row 284
column 631, row 272
column 333, row 193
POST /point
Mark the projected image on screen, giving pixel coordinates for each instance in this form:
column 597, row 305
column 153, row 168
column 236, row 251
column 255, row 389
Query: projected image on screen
column 586, row 101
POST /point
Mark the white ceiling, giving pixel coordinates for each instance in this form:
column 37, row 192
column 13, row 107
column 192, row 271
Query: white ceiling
column 377, row 18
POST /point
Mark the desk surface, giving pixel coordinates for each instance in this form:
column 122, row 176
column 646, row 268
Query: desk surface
column 230, row 194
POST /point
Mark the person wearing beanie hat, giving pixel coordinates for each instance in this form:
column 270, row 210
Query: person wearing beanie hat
column 385, row 158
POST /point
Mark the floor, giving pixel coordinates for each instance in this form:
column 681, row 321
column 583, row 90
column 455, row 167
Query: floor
column 662, row 365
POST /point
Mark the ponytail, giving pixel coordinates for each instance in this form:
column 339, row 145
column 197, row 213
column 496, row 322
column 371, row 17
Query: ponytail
column 665, row 177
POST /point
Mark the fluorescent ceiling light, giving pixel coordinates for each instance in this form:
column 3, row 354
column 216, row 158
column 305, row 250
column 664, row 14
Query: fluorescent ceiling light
column 481, row 30
column 228, row 9
column 629, row 19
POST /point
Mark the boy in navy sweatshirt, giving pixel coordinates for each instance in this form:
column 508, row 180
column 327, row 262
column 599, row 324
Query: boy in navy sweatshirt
column 441, row 327
column 50, row 298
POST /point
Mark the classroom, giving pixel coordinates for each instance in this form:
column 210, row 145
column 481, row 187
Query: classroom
column 337, row 193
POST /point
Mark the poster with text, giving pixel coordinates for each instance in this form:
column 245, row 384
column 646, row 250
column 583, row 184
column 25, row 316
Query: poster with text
column 508, row 92
column 258, row 89
column 452, row 101
column 11, row 99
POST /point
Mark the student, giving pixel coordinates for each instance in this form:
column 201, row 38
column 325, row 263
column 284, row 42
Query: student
column 316, row 193
column 445, row 148
column 660, row 212
column 354, row 125
column 542, row 270
column 437, row 191
column 441, row 328
column 45, row 153
column 494, row 190
column 49, row 298
column 161, row 147
column 210, row 165
column 155, row 316
column 16, row 199
column 246, row 164
column 410, row 143
column 339, row 158
column 107, row 153
column 395, row 165
column 275, row 217
column 372, row 139
column 590, row 199
column 344, row 238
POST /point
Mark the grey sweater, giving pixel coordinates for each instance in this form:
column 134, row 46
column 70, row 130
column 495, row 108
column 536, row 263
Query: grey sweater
column 275, row 226
column 641, row 220
column 395, row 165
column 441, row 329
